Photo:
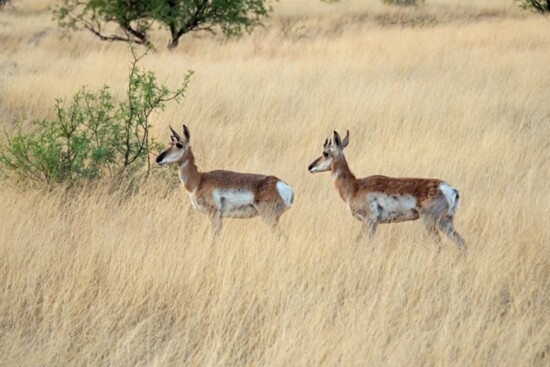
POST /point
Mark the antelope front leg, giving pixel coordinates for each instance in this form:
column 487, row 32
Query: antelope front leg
column 217, row 223
column 368, row 228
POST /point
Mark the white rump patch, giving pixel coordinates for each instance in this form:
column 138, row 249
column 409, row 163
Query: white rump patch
column 286, row 193
column 451, row 195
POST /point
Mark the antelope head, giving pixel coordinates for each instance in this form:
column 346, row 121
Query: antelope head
column 330, row 153
column 177, row 148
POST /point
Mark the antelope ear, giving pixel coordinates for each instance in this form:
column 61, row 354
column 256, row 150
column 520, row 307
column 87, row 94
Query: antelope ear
column 337, row 140
column 175, row 134
column 186, row 133
column 345, row 142
column 326, row 143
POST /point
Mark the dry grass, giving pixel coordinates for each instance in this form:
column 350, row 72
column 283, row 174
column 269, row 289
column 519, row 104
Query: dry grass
column 87, row 279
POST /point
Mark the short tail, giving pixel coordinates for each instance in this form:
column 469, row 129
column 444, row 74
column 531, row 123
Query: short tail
column 452, row 196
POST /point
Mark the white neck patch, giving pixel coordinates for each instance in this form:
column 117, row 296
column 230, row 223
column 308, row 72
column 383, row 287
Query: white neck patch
column 184, row 164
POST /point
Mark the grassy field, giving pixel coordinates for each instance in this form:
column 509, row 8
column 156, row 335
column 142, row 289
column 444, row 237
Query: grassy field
column 453, row 90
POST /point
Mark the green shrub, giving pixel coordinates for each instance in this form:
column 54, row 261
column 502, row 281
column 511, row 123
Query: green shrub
column 541, row 6
column 133, row 20
column 93, row 136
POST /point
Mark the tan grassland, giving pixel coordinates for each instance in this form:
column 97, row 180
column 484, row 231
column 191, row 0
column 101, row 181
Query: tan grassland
column 457, row 90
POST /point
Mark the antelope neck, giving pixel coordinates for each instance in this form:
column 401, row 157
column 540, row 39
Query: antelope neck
column 344, row 180
column 190, row 176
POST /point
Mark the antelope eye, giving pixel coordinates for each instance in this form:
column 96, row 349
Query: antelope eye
column 179, row 145
column 325, row 154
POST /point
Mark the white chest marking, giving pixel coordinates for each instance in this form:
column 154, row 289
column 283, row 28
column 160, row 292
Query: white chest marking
column 194, row 201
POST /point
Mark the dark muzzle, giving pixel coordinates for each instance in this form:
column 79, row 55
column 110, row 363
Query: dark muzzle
column 160, row 158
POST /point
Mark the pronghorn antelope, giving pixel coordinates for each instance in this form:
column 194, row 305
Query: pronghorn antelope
column 224, row 193
column 380, row 199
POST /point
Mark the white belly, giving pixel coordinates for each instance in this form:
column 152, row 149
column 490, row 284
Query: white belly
column 235, row 203
column 392, row 208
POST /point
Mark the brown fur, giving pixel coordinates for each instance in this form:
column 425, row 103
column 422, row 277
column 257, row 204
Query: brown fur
column 201, row 186
column 380, row 199
column 423, row 189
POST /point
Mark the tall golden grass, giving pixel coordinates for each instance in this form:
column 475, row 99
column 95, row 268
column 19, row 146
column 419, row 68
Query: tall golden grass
column 90, row 278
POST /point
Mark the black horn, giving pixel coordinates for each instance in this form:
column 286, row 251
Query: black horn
column 175, row 134
column 186, row 132
column 337, row 139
